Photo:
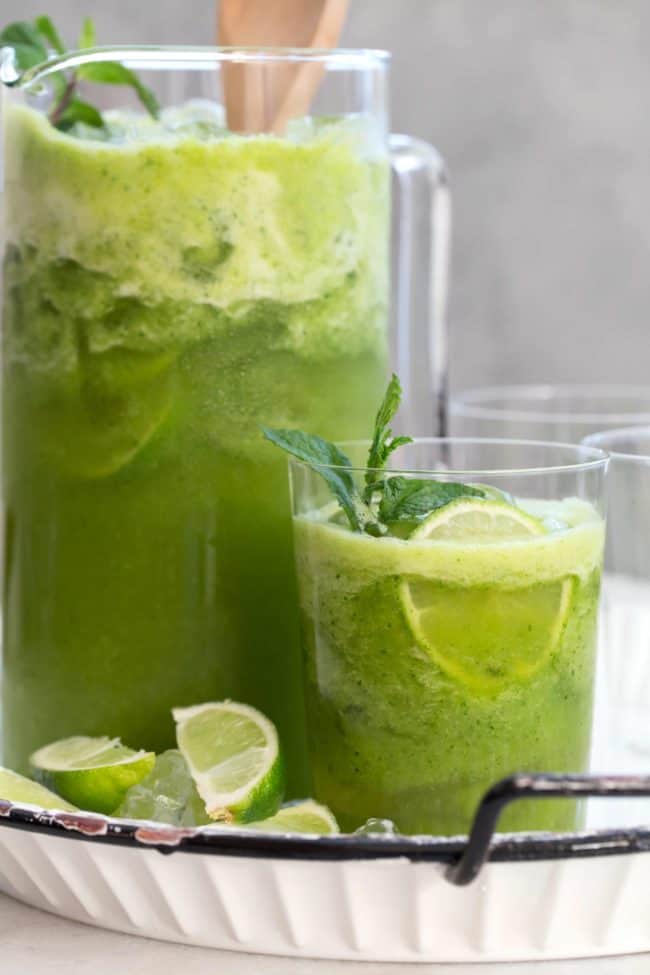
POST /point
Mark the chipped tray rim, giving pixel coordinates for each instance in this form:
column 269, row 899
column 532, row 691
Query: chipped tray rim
column 230, row 841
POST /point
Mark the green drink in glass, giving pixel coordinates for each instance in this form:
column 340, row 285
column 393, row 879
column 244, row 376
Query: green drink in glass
column 449, row 640
column 168, row 287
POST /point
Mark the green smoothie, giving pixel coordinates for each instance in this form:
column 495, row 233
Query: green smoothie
column 166, row 290
column 438, row 663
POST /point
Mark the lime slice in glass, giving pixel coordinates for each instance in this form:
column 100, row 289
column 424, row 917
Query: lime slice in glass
column 18, row 788
column 92, row 436
column 93, row 773
column 106, row 412
column 166, row 795
column 493, row 493
column 300, row 817
column 473, row 520
column 485, row 637
column 234, row 756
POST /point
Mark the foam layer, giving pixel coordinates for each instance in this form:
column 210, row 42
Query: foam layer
column 199, row 234
column 362, row 559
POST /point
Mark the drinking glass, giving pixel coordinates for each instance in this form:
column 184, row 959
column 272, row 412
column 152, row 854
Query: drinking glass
column 569, row 414
column 169, row 286
column 563, row 413
column 626, row 596
column 442, row 656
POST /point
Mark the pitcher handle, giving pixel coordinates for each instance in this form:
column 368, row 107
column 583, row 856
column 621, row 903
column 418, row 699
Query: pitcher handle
column 420, row 269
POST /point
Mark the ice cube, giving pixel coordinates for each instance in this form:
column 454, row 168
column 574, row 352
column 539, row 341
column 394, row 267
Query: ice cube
column 377, row 827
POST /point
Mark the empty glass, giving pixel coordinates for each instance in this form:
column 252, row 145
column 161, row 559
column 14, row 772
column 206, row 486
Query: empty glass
column 565, row 414
column 570, row 414
column 626, row 596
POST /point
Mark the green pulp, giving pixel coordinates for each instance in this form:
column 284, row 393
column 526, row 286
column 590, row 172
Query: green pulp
column 163, row 297
column 392, row 732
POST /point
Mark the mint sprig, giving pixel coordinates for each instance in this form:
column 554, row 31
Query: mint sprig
column 383, row 443
column 387, row 500
column 33, row 43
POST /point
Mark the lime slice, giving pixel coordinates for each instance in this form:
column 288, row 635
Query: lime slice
column 93, row 437
column 17, row 788
column 94, row 773
column 166, row 795
column 124, row 369
column 106, row 412
column 300, row 817
column 485, row 637
column 474, row 520
column 234, row 756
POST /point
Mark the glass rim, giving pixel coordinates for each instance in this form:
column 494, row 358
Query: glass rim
column 598, row 458
column 476, row 403
column 200, row 57
column 620, row 433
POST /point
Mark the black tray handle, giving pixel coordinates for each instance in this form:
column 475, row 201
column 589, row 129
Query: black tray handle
column 521, row 786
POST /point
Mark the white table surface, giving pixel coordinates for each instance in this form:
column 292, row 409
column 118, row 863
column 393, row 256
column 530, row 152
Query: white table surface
column 34, row 943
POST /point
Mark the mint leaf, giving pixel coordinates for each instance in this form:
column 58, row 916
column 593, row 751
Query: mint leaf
column 112, row 73
column 79, row 111
column 383, row 443
column 413, row 498
column 48, row 31
column 319, row 454
column 21, row 32
column 87, row 37
column 313, row 450
column 26, row 42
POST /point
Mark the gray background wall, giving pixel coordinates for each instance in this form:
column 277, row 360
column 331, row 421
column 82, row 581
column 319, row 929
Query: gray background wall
column 542, row 110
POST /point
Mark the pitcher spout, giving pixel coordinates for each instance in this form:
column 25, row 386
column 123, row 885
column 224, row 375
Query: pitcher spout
column 9, row 73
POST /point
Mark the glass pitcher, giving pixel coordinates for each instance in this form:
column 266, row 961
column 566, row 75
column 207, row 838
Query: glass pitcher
column 169, row 287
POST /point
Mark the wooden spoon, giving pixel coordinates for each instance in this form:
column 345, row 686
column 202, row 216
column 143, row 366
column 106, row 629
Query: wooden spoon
column 263, row 97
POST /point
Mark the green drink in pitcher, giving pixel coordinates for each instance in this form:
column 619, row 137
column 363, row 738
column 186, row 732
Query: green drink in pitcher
column 449, row 626
column 168, row 287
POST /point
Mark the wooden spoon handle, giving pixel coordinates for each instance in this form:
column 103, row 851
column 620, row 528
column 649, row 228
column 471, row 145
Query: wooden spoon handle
column 263, row 97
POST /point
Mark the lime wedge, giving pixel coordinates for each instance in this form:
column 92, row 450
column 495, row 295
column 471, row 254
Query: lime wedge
column 474, row 520
column 300, row 817
column 166, row 795
column 233, row 754
column 94, row 773
column 17, row 788
column 485, row 637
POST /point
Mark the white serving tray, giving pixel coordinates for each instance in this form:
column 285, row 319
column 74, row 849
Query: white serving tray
column 383, row 898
